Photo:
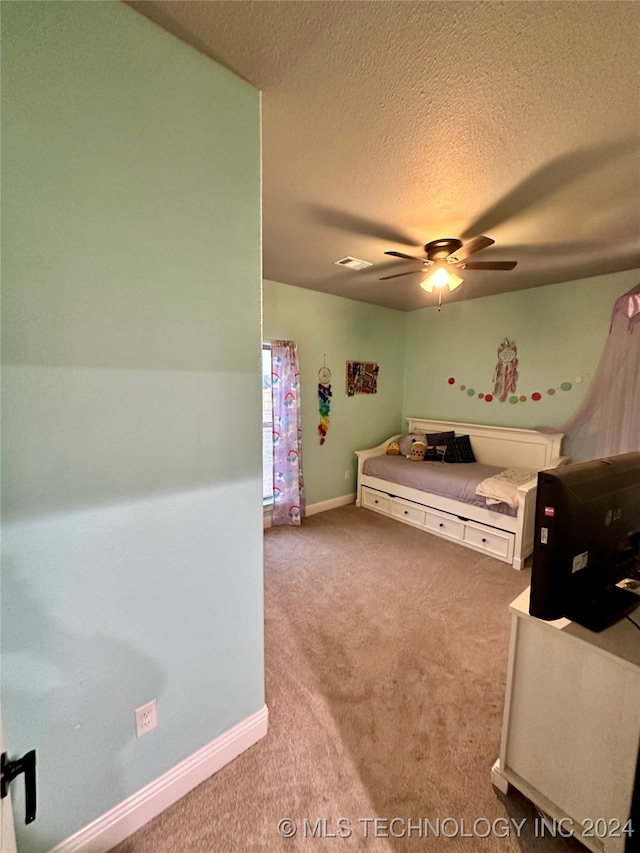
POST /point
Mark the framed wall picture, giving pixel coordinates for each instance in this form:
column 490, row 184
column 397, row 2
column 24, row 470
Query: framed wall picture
column 362, row 377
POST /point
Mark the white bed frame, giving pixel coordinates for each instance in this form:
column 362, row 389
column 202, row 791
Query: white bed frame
column 508, row 538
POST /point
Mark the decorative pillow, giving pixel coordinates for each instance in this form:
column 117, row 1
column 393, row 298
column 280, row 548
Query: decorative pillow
column 435, row 438
column 451, row 453
column 435, row 454
column 418, row 449
column 459, row 449
column 436, row 445
column 393, row 448
column 407, row 440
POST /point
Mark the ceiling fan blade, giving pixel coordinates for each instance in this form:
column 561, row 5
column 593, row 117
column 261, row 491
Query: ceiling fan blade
column 409, row 257
column 549, row 179
column 487, row 265
column 397, row 275
column 335, row 218
column 476, row 245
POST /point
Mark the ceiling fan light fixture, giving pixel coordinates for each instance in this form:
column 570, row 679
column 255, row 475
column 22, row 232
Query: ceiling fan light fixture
column 442, row 255
column 441, row 277
column 454, row 281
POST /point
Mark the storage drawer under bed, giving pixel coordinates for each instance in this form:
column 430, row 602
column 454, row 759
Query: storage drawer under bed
column 406, row 511
column 445, row 525
column 496, row 543
column 376, row 501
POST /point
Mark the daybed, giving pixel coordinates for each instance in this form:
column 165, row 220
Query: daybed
column 460, row 514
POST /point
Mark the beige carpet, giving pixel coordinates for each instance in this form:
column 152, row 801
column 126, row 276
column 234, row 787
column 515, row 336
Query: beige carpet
column 386, row 657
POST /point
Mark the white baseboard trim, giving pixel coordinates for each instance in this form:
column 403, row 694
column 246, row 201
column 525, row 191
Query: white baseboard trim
column 129, row 816
column 333, row 503
column 313, row 509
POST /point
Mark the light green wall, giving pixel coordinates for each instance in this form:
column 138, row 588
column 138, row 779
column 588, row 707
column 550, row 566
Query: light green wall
column 132, row 562
column 560, row 331
column 344, row 330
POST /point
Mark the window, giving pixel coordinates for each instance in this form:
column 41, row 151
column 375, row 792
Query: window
column 267, row 426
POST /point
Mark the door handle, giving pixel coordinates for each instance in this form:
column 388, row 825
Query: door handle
column 11, row 769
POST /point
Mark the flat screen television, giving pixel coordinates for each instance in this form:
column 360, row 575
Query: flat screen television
column 586, row 554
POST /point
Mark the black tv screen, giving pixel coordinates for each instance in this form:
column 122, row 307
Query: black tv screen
column 587, row 541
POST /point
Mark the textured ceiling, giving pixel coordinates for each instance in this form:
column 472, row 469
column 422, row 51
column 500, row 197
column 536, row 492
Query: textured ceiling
column 390, row 124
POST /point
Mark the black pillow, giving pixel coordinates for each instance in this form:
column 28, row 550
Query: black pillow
column 435, row 443
column 459, row 449
column 434, row 438
column 435, row 453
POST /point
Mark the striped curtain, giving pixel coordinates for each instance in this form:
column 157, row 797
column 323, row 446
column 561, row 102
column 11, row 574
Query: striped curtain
column 288, row 483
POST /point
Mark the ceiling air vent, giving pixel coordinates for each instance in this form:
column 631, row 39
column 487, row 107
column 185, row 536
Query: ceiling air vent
column 353, row 263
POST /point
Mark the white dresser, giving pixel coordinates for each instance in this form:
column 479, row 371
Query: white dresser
column 571, row 729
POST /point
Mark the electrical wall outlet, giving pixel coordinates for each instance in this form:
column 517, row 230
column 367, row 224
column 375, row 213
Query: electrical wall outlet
column 146, row 718
column 347, row 475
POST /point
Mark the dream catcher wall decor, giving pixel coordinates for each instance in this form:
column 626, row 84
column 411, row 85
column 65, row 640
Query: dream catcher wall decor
column 324, row 400
column 505, row 376
column 505, row 379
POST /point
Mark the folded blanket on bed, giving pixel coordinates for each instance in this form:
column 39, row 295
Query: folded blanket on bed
column 503, row 487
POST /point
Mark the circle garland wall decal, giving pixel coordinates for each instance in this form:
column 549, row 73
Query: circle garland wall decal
column 535, row 396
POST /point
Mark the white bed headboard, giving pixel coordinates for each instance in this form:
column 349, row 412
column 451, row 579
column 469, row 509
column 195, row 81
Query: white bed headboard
column 504, row 446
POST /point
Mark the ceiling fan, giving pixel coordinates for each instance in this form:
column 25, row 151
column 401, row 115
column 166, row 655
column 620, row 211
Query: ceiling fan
column 445, row 255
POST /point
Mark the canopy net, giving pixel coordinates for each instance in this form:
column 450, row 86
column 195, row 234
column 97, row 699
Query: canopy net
column 608, row 421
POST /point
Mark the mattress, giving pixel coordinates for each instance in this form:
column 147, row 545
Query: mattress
column 448, row 480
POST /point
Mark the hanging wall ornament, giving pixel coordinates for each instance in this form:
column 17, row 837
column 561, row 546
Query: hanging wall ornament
column 505, row 376
column 324, row 400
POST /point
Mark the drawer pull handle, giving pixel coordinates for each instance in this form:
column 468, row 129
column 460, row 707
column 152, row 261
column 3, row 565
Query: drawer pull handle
column 406, row 512
column 376, row 501
column 484, row 540
column 441, row 524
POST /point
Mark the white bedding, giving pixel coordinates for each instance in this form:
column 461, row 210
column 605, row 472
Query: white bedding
column 503, row 487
